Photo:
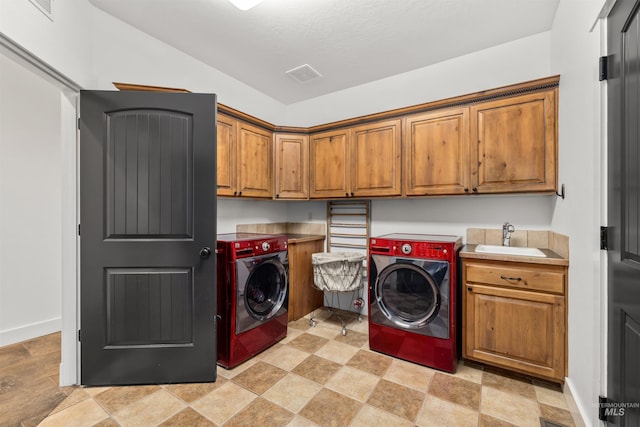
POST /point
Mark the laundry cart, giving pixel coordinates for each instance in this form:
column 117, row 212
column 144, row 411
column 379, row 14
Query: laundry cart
column 337, row 272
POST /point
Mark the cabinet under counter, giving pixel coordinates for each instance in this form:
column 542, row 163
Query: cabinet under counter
column 303, row 296
column 514, row 313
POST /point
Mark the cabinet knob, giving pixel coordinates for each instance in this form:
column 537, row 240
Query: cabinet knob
column 352, row 194
column 346, row 194
column 240, row 193
column 475, row 189
column 235, row 193
column 466, row 190
column 277, row 195
column 469, row 288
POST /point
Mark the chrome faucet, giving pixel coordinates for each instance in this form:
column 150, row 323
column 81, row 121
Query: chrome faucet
column 507, row 229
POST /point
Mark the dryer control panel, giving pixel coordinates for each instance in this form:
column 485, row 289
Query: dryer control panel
column 416, row 248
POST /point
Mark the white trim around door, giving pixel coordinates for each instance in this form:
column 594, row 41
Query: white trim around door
column 69, row 96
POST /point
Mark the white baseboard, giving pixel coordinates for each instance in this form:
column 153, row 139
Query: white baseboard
column 68, row 376
column 27, row 332
column 579, row 412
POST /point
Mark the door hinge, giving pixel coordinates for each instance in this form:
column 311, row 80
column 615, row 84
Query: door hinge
column 78, row 122
column 78, row 229
column 79, row 336
column 603, row 68
column 604, row 238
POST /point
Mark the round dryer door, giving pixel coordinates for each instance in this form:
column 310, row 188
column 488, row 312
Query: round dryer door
column 407, row 295
column 266, row 290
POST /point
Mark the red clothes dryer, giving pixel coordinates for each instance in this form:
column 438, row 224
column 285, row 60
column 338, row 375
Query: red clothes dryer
column 252, row 294
column 413, row 299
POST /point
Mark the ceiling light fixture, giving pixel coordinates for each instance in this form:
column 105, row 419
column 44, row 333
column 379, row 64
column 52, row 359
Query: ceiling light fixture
column 245, row 4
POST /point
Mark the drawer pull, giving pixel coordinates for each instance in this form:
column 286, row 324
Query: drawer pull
column 511, row 279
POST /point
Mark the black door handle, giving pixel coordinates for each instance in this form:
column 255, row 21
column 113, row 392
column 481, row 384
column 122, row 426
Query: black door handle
column 205, row 252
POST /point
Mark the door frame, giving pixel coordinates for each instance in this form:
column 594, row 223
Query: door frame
column 70, row 278
column 605, row 390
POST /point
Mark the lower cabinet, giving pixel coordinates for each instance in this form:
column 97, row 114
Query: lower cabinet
column 514, row 316
column 303, row 296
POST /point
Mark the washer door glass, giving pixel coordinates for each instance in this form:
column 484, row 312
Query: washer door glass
column 407, row 295
column 266, row 290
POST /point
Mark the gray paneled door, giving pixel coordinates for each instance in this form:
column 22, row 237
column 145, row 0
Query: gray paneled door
column 623, row 371
column 148, row 219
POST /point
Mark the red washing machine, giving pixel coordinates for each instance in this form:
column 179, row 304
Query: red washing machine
column 413, row 299
column 252, row 294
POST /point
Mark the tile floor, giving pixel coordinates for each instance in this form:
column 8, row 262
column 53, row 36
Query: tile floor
column 29, row 381
column 315, row 376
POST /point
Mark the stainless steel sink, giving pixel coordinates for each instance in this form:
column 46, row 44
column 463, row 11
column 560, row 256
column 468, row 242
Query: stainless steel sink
column 510, row 250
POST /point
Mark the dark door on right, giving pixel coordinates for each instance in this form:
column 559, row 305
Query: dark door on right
column 623, row 355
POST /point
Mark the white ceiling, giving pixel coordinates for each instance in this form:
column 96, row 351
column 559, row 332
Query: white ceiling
column 349, row 42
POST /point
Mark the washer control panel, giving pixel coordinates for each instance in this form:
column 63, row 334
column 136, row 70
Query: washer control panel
column 270, row 244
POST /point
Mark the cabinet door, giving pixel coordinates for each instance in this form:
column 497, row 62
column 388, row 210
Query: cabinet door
column 329, row 164
column 226, row 156
column 436, row 153
column 513, row 329
column 254, row 161
column 303, row 296
column 292, row 166
column 514, row 144
column 376, row 160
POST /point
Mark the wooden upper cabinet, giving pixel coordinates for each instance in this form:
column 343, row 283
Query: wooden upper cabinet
column 436, row 153
column 244, row 159
column 376, row 159
column 291, row 166
column 329, row 164
column 506, row 145
column 513, row 141
column 362, row 161
column 226, row 152
column 500, row 140
column 254, row 161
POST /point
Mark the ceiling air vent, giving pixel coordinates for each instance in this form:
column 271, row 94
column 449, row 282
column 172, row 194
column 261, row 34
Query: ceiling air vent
column 45, row 6
column 303, row 73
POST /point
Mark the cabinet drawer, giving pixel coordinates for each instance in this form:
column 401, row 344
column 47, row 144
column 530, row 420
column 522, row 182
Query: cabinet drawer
column 521, row 276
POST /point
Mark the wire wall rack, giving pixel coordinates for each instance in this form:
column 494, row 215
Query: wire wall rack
column 348, row 232
column 348, row 224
